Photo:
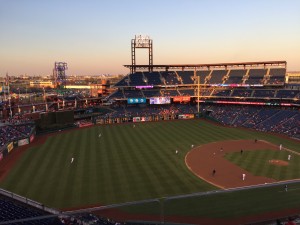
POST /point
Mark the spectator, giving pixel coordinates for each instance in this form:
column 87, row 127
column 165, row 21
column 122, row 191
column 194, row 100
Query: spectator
column 290, row 222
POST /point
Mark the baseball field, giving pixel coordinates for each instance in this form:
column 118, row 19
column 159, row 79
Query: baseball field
column 122, row 163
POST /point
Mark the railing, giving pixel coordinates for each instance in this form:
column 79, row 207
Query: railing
column 28, row 201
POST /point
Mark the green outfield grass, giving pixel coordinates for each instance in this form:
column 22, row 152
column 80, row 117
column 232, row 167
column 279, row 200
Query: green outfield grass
column 257, row 163
column 124, row 164
column 227, row 205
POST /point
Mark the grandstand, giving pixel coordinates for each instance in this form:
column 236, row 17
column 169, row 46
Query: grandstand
column 253, row 95
column 247, row 89
column 227, row 80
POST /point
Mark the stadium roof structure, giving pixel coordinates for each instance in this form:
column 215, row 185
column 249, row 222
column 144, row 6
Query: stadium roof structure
column 244, row 65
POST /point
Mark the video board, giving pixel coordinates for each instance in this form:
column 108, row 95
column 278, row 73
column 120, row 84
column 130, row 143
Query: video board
column 160, row 100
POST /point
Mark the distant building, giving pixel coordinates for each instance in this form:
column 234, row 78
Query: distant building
column 40, row 84
column 293, row 78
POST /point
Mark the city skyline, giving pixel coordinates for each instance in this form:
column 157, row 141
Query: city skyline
column 93, row 37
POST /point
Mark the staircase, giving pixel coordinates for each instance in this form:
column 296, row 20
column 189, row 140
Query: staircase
column 178, row 77
column 246, row 76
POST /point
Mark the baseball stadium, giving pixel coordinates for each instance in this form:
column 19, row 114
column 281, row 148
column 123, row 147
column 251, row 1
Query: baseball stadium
column 172, row 144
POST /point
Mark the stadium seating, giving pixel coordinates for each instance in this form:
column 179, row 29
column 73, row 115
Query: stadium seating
column 122, row 82
column 153, row 78
column 137, row 79
column 186, row 77
column 87, row 218
column 169, row 92
column 277, row 76
column 241, row 93
column 272, row 121
column 279, row 120
column 285, row 121
column 186, row 92
column 256, row 76
column 13, row 210
column 203, row 74
column 235, row 76
column 264, row 93
column 117, row 95
column 9, row 133
column 133, row 93
column 287, row 93
column 151, row 93
column 226, row 92
column 217, row 77
column 170, row 78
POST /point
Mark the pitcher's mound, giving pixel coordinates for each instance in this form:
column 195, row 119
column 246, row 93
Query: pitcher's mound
column 278, row 162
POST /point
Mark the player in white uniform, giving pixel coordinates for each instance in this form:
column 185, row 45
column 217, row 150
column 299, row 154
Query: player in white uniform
column 243, row 176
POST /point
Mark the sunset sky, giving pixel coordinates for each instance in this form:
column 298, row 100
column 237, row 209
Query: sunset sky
column 93, row 36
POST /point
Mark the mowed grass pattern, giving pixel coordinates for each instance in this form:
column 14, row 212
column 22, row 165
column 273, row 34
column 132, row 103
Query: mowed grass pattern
column 124, row 164
column 257, row 163
column 228, row 205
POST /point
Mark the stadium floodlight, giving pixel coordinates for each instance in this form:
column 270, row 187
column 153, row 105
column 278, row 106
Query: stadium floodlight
column 141, row 41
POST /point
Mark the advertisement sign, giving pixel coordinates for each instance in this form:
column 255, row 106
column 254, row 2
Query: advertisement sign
column 186, row 116
column 23, row 142
column 10, row 146
column 145, row 86
column 32, row 138
column 141, row 119
column 182, row 99
column 136, row 100
column 160, row 100
column 136, row 119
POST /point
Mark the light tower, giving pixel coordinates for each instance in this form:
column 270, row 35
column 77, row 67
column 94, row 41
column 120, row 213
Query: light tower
column 59, row 74
column 141, row 41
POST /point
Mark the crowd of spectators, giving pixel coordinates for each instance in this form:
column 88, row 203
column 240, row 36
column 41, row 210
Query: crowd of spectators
column 14, row 129
column 262, row 118
column 11, row 209
column 87, row 219
column 9, row 133
column 152, row 110
column 278, row 120
column 17, row 119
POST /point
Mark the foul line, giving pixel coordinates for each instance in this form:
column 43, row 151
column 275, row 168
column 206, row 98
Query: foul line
column 287, row 149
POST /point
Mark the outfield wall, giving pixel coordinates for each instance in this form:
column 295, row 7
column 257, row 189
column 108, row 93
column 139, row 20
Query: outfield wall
column 137, row 119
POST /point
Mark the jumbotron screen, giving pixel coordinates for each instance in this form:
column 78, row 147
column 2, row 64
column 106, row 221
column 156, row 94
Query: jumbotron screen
column 160, row 100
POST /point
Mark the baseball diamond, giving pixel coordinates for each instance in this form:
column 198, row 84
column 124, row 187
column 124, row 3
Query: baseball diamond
column 99, row 174
column 184, row 143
